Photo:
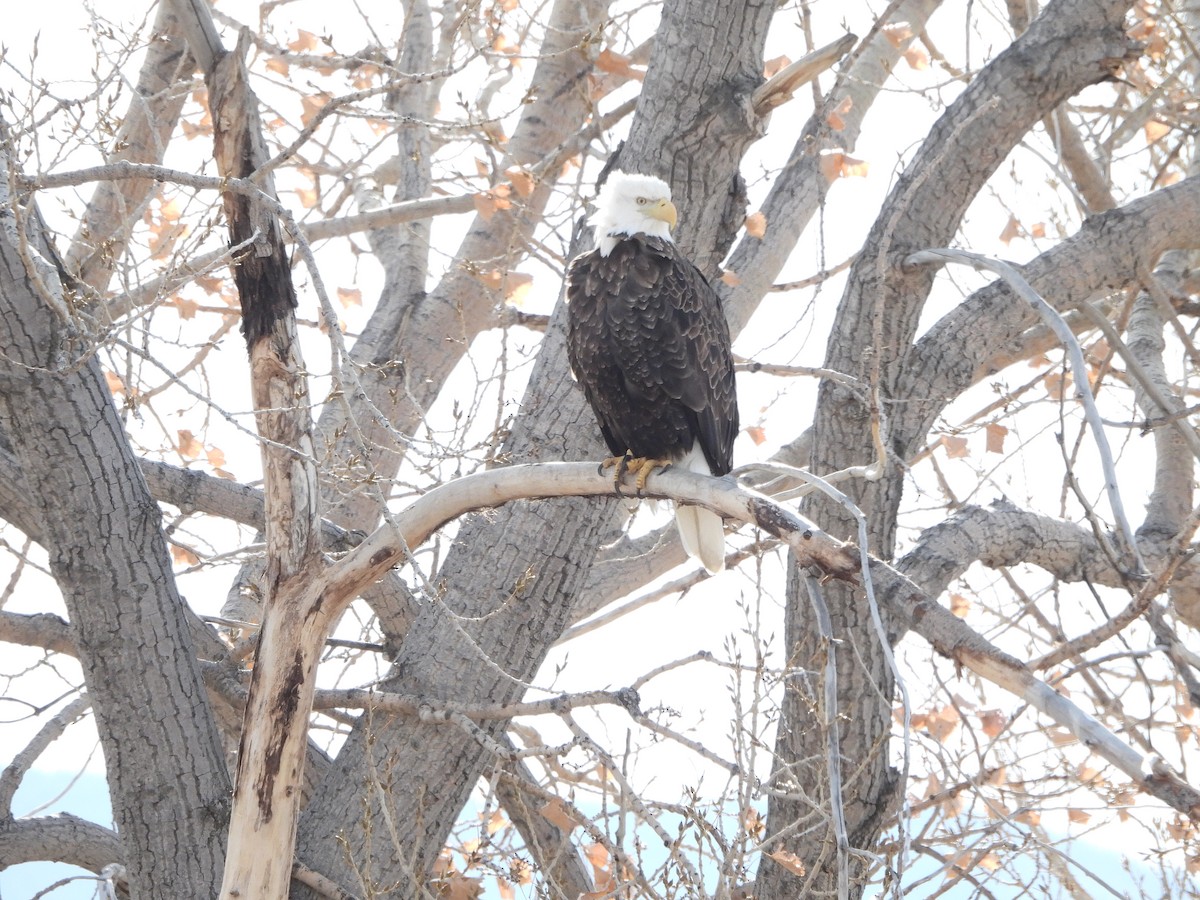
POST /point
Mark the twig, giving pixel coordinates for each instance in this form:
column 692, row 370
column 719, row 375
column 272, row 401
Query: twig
column 326, row 887
column 51, row 731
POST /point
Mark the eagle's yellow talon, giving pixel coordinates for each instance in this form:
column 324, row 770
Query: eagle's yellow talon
column 644, row 467
column 619, row 465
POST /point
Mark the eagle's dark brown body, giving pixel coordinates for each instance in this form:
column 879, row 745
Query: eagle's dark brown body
column 649, row 344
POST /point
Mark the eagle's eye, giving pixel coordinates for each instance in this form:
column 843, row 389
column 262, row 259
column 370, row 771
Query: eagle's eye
column 642, row 201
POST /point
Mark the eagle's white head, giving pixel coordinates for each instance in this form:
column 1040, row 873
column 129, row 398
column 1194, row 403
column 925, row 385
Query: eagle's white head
column 632, row 204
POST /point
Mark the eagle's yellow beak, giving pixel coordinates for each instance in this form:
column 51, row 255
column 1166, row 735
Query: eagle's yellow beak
column 664, row 211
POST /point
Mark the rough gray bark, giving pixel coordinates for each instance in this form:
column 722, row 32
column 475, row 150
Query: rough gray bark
column 63, row 838
column 103, row 532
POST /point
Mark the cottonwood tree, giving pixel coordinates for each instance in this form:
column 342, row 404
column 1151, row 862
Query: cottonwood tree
column 956, row 636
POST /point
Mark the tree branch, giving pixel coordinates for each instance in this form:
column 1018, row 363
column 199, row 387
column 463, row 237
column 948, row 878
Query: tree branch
column 62, row 838
column 905, row 603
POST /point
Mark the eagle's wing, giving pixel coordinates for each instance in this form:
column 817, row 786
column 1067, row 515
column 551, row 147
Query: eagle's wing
column 590, row 281
column 671, row 338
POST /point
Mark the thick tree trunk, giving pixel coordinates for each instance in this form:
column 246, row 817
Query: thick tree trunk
column 103, row 532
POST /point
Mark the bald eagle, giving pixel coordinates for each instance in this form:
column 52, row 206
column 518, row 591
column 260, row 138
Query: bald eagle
column 649, row 344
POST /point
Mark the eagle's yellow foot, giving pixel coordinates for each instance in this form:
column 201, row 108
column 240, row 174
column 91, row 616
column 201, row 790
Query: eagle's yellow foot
column 619, row 465
column 643, row 467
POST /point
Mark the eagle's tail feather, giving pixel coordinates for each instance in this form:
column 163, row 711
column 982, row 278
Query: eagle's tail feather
column 703, row 535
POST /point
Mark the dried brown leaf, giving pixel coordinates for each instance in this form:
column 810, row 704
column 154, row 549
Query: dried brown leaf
column 520, row 871
column 831, row 164
column 522, row 181
column 212, row 284
column 995, row 437
column 188, row 445
column 311, row 104
column 789, row 861
column 308, row 197
column 776, row 65
column 494, row 132
column 843, row 166
column 305, row 42
column 992, row 721
column 753, row 823
column 597, row 855
column 460, row 887
column 443, row 866
column 496, row 822
column 933, row 786
column 556, row 813
column 192, row 131
column 602, row 873
column 517, row 286
column 1057, row 384
column 364, row 77
column 485, row 205
column 504, row 44
column 942, row 723
column 916, row 58
column 1028, row 817
column 183, row 555
column 1155, row 130
column 756, row 224
column 171, row 209
column 956, row 446
column 1087, row 773
column 618, row 64
column 898, row 33
column 493, row 279
column 1060, row 737
column 1011, row 230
